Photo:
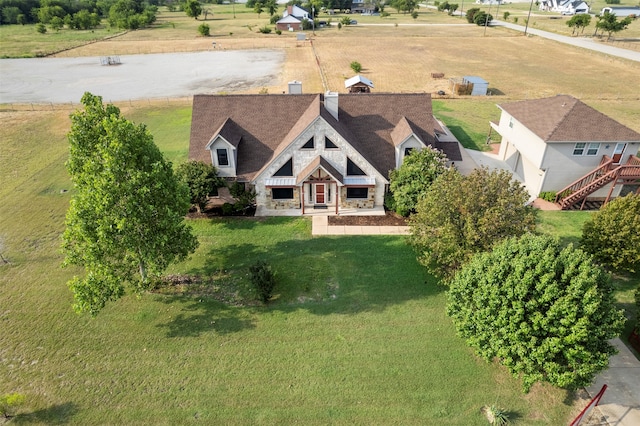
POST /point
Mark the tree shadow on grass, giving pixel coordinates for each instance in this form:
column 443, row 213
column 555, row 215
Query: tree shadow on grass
column 329, row 275
column 202, row 315
column 55, row 415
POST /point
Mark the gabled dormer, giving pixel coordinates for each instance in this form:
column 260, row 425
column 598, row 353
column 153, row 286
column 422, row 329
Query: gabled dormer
column 223, row 147
column 405, row 139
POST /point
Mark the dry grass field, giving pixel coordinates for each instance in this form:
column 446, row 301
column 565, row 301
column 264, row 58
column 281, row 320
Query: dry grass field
column 401, row 58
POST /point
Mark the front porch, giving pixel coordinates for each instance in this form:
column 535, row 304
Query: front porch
column 310, row 211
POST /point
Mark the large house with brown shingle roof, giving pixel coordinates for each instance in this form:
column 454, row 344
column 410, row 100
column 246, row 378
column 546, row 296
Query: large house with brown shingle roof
column 562, row 145
column 311, row 151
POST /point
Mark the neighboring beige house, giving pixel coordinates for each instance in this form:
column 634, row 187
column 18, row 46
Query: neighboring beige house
column 561, row 144
column 310, row 151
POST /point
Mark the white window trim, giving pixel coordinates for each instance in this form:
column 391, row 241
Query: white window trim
column 218, row 158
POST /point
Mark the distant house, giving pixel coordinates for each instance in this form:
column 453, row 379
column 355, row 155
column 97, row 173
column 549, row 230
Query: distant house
column 358, row 84
column 292, row 18
column 307, row 152
column 562, row 145
column 362, row 7
column 566, row 7
column 622, row 11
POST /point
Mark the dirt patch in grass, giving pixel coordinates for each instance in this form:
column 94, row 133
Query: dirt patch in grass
column 389, row 219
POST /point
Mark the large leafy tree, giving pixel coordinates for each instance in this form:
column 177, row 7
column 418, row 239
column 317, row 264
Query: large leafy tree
column 125, row 224
column 462, row 215
column 201, row 179
column 581, row 20
column 612, row 235
column 608, row 22
column 411, row 181
column 544, row 311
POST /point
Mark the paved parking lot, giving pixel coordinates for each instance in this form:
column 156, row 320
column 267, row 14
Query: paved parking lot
column 61, row 80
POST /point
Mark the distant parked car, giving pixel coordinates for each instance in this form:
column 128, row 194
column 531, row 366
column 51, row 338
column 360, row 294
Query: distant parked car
column 353, row 22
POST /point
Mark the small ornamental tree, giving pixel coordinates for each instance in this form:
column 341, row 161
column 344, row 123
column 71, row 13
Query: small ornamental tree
column 125, row 223
column 356, row 66
column 545, row 312
column 612, row 235
column 578, row 21
column 462, row 215
column 471, row 13
column 9, row 402
column 263, row 279
column 411, row 181
column 204, row 30
column 201, row 179
column 482, row 18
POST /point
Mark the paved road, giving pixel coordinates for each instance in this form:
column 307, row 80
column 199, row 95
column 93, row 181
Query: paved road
column 584, row 42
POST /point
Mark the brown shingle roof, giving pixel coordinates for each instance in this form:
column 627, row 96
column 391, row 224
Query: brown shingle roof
column 268, row 123
column 564, row 118
column 231, row 132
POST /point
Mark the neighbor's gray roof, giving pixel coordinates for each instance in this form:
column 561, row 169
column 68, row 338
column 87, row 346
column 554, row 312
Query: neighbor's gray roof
column 268, row 123
column 564, row 118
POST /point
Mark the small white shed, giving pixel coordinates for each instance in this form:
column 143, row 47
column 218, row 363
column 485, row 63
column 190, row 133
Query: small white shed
column 480, row 86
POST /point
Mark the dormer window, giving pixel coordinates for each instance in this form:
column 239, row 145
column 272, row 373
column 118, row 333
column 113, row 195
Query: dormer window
column 407, row 151
column 223, row 157
column 309, row 144
column 286, row 169
column 328, row 144
column 353, row 169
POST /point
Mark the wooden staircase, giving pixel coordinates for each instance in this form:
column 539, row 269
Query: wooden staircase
column 607, row 172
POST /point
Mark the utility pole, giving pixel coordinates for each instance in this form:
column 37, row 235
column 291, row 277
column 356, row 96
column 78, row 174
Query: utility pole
column 526, row 27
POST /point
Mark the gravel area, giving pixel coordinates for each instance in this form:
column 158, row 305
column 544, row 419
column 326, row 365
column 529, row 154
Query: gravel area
column 63, row 80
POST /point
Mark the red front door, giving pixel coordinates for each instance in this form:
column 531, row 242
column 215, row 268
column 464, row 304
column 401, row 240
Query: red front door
column 320, row 193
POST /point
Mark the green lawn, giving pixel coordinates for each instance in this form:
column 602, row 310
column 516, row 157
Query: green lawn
column 469, row 120
column 356, row 334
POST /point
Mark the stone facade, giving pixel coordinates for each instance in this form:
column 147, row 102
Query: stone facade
column 357, row 203
column 294, row 203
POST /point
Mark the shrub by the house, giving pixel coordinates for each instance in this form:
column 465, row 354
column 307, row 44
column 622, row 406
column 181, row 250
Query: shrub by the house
column 612, row 235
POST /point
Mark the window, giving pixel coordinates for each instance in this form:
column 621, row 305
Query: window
column 407, row 151
column 223, row 157
column 579, row 148
column 282, row 193
column 593, row 149
column 511, row 122
column 358, row 193
column 308, row 145
column 286, row 170
column 353, row 170
column 328, row 144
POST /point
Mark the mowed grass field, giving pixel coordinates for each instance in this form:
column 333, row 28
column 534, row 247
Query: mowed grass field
column 356, row 335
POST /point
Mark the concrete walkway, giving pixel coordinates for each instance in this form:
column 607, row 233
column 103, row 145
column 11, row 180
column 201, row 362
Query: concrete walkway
column 620, row 404
column 320, row 226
